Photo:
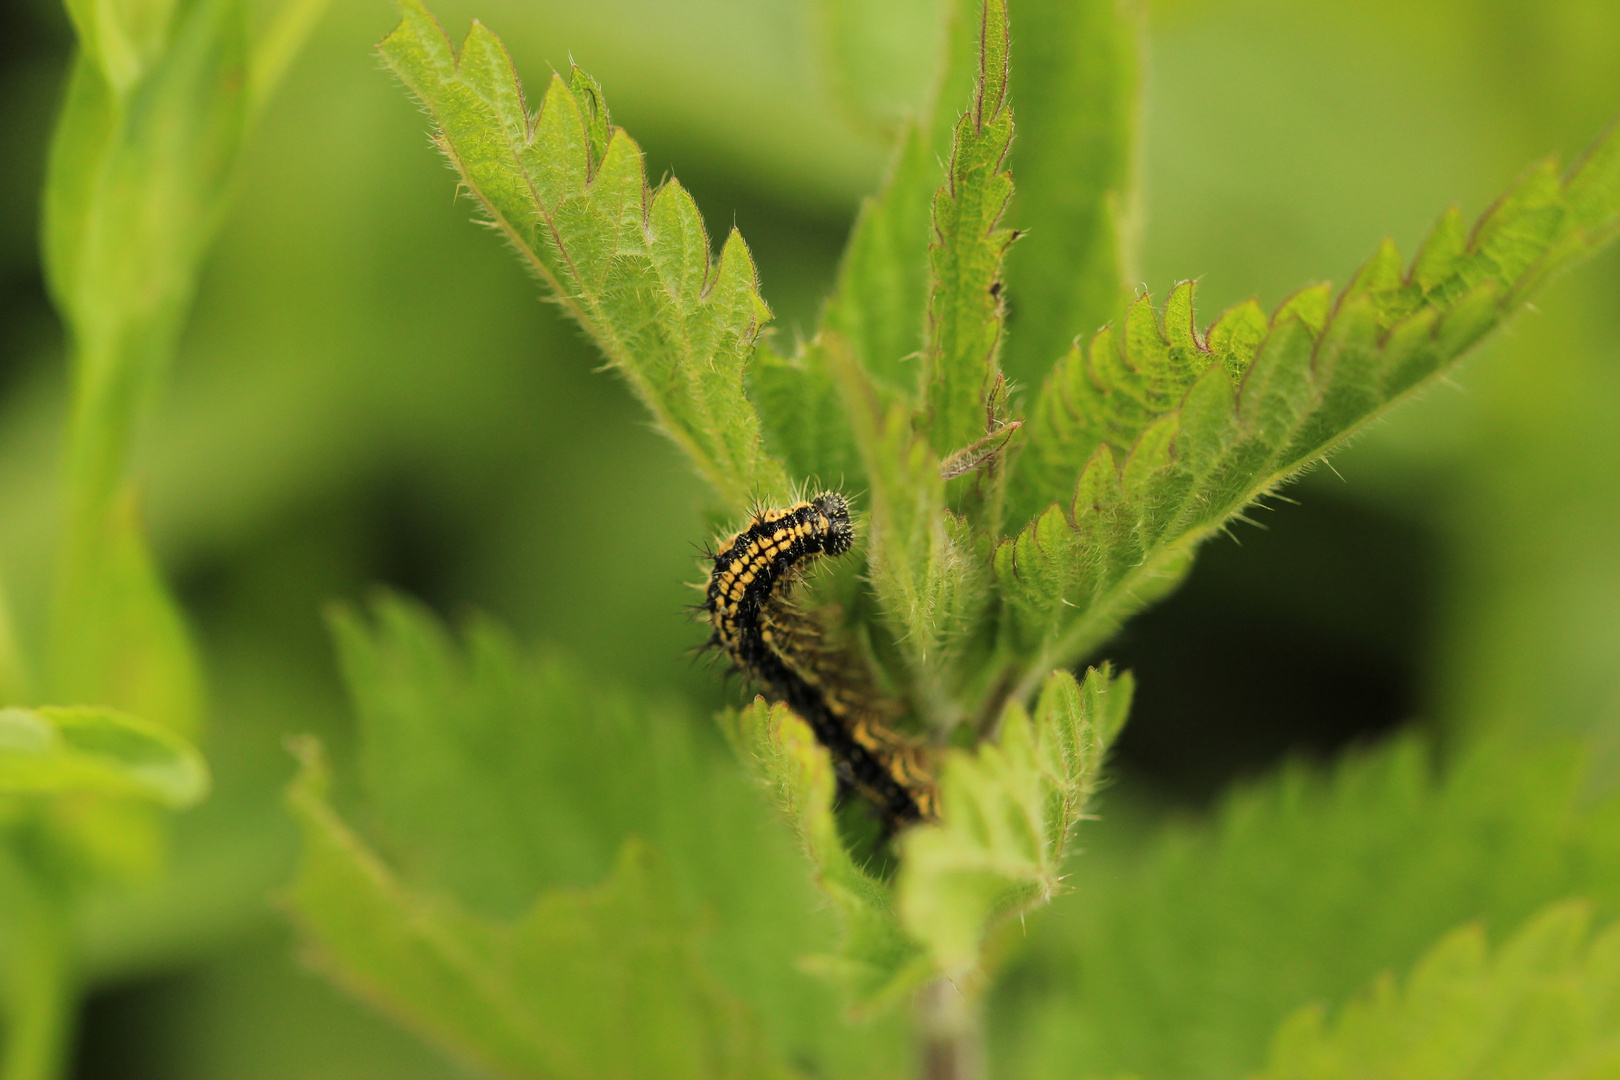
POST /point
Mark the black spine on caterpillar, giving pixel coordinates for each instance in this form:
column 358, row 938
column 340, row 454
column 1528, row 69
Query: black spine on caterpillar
column 751, row 573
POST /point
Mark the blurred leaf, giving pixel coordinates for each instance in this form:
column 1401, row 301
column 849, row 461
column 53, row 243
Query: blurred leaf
column 277, row 44
column 491, row 775
column 1546, row 1004
column 601, row 983
column 137, row 182
column 961, row 372
column 882, row 59
column 1007, row 809
column 127, row 644
column 1204, row 425
column 122, row 37
column 877, row 962
column 496, row 779
column 1180, row 958
column 14, row 680
column 632, row 265
column 1077, row 88
column 52, row 750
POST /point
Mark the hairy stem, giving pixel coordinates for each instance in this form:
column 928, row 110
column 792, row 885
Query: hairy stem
column 950, row 1035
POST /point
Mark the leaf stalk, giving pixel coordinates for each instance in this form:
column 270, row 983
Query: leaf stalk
column 950, row 1032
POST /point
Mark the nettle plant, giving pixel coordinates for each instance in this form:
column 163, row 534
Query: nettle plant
column 102, row 704
column 564, row 883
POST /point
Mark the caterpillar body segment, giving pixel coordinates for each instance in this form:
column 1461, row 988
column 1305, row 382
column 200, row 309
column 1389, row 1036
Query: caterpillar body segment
column 749, row 603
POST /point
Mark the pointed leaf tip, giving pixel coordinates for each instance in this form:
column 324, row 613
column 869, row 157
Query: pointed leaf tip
column 570, row 193
column 1007, row 809
column 1307, row 378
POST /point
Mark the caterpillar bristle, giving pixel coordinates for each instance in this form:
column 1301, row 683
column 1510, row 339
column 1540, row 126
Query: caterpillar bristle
column 749, row 603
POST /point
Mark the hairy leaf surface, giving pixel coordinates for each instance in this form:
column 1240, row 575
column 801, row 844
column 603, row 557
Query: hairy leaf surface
column 927, row 578
column 1007, row 810
column 961, row 369
column 1170, row 432
column 1182, row 956
column 879, row 304
column 633, row 265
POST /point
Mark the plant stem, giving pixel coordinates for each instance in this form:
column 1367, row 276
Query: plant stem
column 105, row 395
column 38, row 985
column 950, row 1035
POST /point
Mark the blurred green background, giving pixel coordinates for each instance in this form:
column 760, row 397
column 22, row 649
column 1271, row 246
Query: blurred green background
column 370, row 391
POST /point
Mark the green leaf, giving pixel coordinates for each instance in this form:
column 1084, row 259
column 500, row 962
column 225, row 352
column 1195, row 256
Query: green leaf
column 126, row 39
column 962, row 375
column 876, row 313
column 484, row 772
column 15, row 682
column 123, row 38
column 1180, row 953
column 139, row 177
column 494, row 778
column 121, row 639
column 632, row 265
column 52, row 751
column 879, row 305
column 928, row 580
column 1172, row 433
column 1078, row 88
column 877, row 962
column 1007, row 809
column 605, row 982
column 803, row 416
column 494, row 775
column 1546, row 1004
column 137, row 182
column 880, row 302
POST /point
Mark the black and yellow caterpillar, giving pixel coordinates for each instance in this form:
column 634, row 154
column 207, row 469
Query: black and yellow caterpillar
column 748, row 600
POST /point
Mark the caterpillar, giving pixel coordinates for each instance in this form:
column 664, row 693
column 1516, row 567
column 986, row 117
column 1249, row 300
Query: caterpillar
column 748, row 600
